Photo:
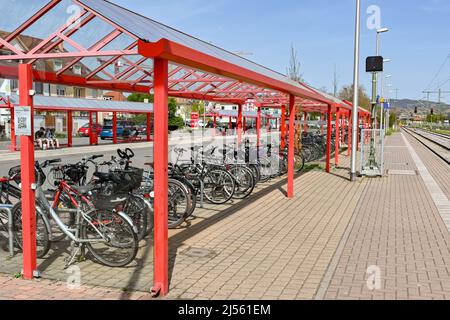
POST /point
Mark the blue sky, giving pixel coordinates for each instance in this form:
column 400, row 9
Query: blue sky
column 322, row 31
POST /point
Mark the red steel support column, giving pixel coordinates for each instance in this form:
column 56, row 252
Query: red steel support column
column 27, row 177
column 338, row 131
column 215, row 122
column 161, row 204
column 230, row 123
column 329, row 130
column 349, row 134
column 69, row 129
column 95, row 132
column 149, row 127
column 114, row 127
column 283, row 127
column 342, row 126
column 239, row 123
column 244, row 124
column 258, row 128
column 291, row 147
column 13, row 146
column 358, row 134
column 91, row 129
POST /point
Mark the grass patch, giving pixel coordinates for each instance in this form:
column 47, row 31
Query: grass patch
column 18, row 275
column 447, row 132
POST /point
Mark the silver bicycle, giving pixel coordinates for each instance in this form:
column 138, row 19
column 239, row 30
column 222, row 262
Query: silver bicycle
column 109, row 236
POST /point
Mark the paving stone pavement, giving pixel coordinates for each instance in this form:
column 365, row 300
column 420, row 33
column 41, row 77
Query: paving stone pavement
column 263, row 247
column 318, row 245
column 397, row 229
column 18, row 289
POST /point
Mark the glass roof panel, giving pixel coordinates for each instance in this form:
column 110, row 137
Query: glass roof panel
column 92, row 33
column 150, row 30
column 19, row 11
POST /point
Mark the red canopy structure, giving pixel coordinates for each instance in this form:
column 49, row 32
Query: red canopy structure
column 97, row 44
column 90, row 106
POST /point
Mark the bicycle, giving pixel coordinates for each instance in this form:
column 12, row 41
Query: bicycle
column 109, row 236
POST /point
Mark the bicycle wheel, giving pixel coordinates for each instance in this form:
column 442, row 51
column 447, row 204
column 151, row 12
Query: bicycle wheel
column 179, row 203
column 244, row 180
column 283, row 165
column 299, row 162
column 193, row 193
column 219, row 186
column 256, row 173
column 42, row 230
column 111, row 238
column 265, row 171
column 136, row 209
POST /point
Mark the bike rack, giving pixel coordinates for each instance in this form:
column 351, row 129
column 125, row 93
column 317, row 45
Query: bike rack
column 8, row 209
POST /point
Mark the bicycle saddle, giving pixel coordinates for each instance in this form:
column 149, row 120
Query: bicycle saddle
column 102, row 176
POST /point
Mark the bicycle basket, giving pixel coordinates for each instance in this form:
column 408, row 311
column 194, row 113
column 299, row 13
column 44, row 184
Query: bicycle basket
column 75, row 173
column 109, row 202
column 128, row 180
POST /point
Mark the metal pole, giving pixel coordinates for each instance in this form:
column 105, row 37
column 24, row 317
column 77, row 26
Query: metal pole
column 69, row 129
column 27, row 178
column 291, row 159
column 337, row 138
column 328, row 149
column 355, row 90
column 161, row 178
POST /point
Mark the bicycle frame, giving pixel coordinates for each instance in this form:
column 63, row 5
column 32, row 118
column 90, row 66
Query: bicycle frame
column 65, row 188
column 73, row 234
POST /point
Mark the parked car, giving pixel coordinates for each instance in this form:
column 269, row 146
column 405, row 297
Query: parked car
column 84, row 130
column 123, row 126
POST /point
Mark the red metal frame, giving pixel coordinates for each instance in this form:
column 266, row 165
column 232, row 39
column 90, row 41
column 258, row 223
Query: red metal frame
column 114, row 127
column 338, row 139
column 349, row 134
column 218, row 81
column 161, row 249
column 69, row 129
column 283, row 127
column 27, row 179
column 329, row 130
column 291, row 151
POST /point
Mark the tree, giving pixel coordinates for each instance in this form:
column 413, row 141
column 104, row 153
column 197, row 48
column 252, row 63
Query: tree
column 141, row 97
column 174, row 121
column 293, row 71
column 347, row 93
column 199, row 106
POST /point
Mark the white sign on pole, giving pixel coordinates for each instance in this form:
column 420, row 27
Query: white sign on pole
column 22, row 121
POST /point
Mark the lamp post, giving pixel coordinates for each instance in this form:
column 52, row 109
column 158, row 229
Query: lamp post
column 372, row 163
column 383, row 119
column 375, row 76
column 355, row 112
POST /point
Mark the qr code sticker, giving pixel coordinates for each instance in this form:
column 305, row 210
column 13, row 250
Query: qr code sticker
column 22, row 122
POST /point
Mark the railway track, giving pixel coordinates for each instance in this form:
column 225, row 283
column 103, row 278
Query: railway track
column 439, row 147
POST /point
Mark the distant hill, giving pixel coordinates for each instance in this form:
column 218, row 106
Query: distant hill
column 423, row 107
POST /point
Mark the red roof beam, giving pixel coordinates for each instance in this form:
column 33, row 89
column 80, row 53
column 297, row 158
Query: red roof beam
column 177, row 53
